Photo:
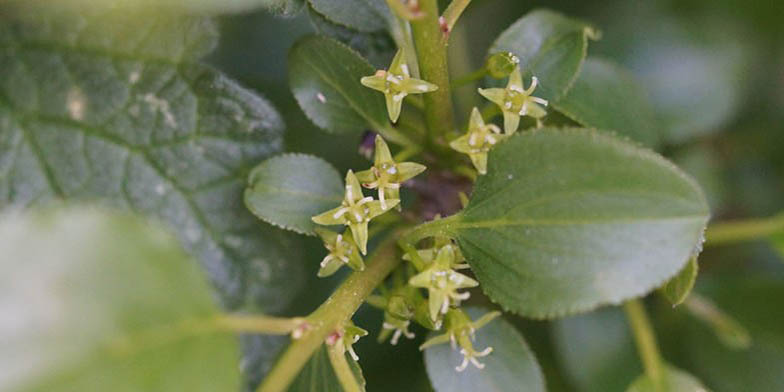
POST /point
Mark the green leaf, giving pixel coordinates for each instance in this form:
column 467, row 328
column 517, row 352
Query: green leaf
column 324, row 77
column 115, row 108
column 378, row 46
column 510, row 367
column 607, row 96
column 133, row 313
column 282, row 7
column 583, row 219
column 360, row 15
column 675, row 380
column 289, row 189
column 318, row 374
column 550, row 46
column 678, row 288
column 597, row 350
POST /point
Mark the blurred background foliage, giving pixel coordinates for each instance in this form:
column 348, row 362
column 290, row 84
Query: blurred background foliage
column 714, row 70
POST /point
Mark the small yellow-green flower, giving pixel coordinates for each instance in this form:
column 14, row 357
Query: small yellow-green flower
column 386, row 175
column 346, row 337
column 342, row 251
column 516, row 101
column 460, row 331
column 442, row 282
column 429, row 254
column 396, row 83
column 478, row 140
column 355, row 212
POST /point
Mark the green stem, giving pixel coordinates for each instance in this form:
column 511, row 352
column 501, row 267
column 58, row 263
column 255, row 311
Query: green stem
column 337, row 356
column 430, row 44
column 646, row 342
column 259, row 324
column 333, row 313
column 453, row 12
column 472, row 77
column 439, row 227
column 738, row 231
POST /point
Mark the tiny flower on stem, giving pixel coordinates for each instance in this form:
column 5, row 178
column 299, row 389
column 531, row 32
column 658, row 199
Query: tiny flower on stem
column 355, row 212
column 347, row 336
column 397, row 318
column 478, row 141
column 429, row 254
column 442, row 283
column 396, row 83
column 515, row 101
column 386, row 175
column 342, row 251
column 461, row 331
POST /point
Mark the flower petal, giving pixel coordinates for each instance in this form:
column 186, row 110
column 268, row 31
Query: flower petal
column 353, row 190
column 417, row 86
column 375, row 208
column 328, row 218
column 366, row 176
column 461, row 144
column 329, row 269
column 511, row 122
column 393, row 106
column 375, row 82
column 396, row 67
column 476, row 122
column 382, row 152
column 480, row 162
column 494, row 95
column 407, row 170
column 515, row 80
column 360, row 233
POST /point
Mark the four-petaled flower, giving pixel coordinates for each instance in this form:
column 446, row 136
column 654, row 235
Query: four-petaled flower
column 355, row 212
column 478, row 140
column 396, row 83
column 386, row 175
column 515, row 101
column 442, row 282
column 342, row 250
column 460, row 331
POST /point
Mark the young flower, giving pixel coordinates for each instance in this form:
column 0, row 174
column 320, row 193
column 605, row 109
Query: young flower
column 355, row 212
column 397, row 318
column 442, row 282
column 342, row 250
column 460, row 330
column 386, row 175
column 396, row 83
column 347, row 336
column 478, row 140
column 429, row 254
column 516, row 102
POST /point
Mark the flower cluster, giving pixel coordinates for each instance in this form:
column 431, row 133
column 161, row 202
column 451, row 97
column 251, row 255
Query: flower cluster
column 357, row 210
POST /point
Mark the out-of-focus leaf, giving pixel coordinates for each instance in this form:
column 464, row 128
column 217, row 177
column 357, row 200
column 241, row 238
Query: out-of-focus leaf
column 289, row 189
column 360, row 15
column 597, row 351
column 582, row 221
column 674, row 380
column 694, row 67
column 752, row 299
column 324, row 76
column 378, row 46
column 115, row 107
column 511, row 366
column 606, row 96
column 92, row 300
column 678, row 288
column 704, row 164
column 280, row 7
column 318, row 374
column 550, row 46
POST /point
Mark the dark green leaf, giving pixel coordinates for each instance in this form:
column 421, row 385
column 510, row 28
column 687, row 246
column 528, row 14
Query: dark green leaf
column 597, row 351
column 511, row 366
column 289, row 189
column 114, row 107
column 360, row 15
column 582, row 220
column 678, row 288
column 324, row 76
column 550, row 46
column 94, row 300
column 675, row 380
column 378, row 46
column 606, row 96
column 318, row 374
